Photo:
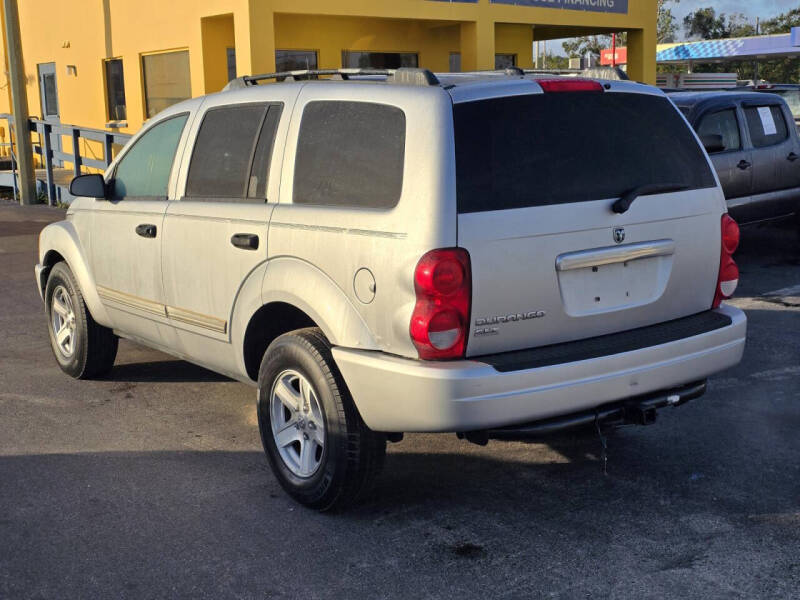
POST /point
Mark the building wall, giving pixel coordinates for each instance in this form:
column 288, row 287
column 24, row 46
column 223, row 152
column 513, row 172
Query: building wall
column 330, row 35
column 83, row 33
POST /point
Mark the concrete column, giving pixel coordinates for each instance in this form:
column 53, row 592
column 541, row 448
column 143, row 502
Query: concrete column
column 254, row 28
column 477, row 45
column 642, row 55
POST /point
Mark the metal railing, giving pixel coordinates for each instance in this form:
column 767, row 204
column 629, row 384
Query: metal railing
column 47, row 146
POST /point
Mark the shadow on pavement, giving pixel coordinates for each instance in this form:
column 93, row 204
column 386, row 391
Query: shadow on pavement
column 168, row 371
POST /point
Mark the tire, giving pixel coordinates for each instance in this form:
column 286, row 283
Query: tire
column 340, row 471
column 90, row 349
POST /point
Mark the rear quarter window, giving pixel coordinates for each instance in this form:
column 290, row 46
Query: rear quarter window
column 545, row 149
column 350, row 154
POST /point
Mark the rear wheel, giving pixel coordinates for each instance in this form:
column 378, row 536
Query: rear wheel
column 83, row 348
column 319, row 448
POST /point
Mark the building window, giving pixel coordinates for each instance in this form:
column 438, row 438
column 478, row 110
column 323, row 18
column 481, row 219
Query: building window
column 455, row 62
column 504, row 61
column 295, row 60
column 50, row 95
column 231, row 52
column 166, row 80
column 379, row 60
column 115, row 90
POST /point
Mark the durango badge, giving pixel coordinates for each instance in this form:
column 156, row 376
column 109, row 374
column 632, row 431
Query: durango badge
column 533, row 314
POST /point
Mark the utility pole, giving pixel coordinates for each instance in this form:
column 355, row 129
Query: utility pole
column 613, row 49
column 755, row 62
column 19, row 104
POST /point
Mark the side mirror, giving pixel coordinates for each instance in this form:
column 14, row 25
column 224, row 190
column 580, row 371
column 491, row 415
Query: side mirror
column 712, row 142
column 90, row 186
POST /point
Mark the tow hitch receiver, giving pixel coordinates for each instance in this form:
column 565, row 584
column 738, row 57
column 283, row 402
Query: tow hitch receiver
column 641, row 410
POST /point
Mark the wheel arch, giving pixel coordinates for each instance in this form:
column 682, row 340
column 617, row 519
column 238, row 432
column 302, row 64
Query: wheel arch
column 59, row 242
column 295, row 294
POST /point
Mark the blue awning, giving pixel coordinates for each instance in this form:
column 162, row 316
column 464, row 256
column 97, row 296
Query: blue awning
column 761, row 47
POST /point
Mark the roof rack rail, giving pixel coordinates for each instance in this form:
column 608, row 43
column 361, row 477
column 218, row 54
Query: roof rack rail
column 553, row 71
column 404, row 76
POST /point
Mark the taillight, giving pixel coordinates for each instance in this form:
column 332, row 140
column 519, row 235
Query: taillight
column 728, row 277
column 569, row 84
column 440, row 321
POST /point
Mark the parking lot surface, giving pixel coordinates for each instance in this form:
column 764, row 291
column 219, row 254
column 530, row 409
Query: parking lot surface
column 152, row 483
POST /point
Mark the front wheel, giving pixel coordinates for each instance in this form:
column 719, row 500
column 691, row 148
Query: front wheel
column 83, row 348
column 319, row 448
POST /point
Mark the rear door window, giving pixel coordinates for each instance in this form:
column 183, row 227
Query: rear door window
column 766, row 125
column 350, row 154
column 723, row 123
column 557, row 148
column 230, row 161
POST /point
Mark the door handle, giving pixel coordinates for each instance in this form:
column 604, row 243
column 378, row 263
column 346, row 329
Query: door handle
column 743, row 164
column 245, row 241
column 792, row 157
column 146, row 230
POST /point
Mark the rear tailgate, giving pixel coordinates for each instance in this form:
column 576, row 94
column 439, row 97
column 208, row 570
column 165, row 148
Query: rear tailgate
column 551, row 262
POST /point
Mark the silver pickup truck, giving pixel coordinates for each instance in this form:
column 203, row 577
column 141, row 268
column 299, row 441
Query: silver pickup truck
column 383, row 252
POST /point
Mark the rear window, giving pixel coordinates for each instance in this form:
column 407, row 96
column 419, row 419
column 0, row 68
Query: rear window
column 792, row 98
column 545, row 149
column 350, row 154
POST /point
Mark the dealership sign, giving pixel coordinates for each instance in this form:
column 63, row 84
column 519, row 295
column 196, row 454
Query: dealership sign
column 607, row 6
column 614, row 57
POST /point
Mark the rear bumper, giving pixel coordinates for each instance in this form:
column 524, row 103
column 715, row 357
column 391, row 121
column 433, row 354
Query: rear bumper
column 399, row 394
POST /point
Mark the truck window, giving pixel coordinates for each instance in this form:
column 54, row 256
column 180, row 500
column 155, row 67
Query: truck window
column 145, row 169
column 544, row 149
column 221, row 157
column 766, row 125
column 723, row 123
column 350, row 154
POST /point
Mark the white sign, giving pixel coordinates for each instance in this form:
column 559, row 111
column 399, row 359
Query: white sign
column 767, row 122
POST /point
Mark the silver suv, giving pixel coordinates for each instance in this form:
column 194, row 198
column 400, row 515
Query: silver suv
column 383, row 252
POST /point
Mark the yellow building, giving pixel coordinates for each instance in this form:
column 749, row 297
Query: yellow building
column 113, row 63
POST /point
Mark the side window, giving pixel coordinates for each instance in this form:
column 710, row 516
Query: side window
column 766, row 125
column 723, row 123
column 259, row 173
column 350, row 154
column 144, row 170
column 231, row 156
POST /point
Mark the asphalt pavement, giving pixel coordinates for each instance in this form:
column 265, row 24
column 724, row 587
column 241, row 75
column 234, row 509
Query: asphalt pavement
column 152, row 483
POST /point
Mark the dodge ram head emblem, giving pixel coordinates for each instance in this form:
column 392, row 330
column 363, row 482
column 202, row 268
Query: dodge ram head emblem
column 619, row 234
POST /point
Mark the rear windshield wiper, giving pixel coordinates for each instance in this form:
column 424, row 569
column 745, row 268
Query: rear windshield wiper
column 624, row 203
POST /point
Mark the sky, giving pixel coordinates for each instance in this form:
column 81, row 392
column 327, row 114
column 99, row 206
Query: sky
column 765, row 9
